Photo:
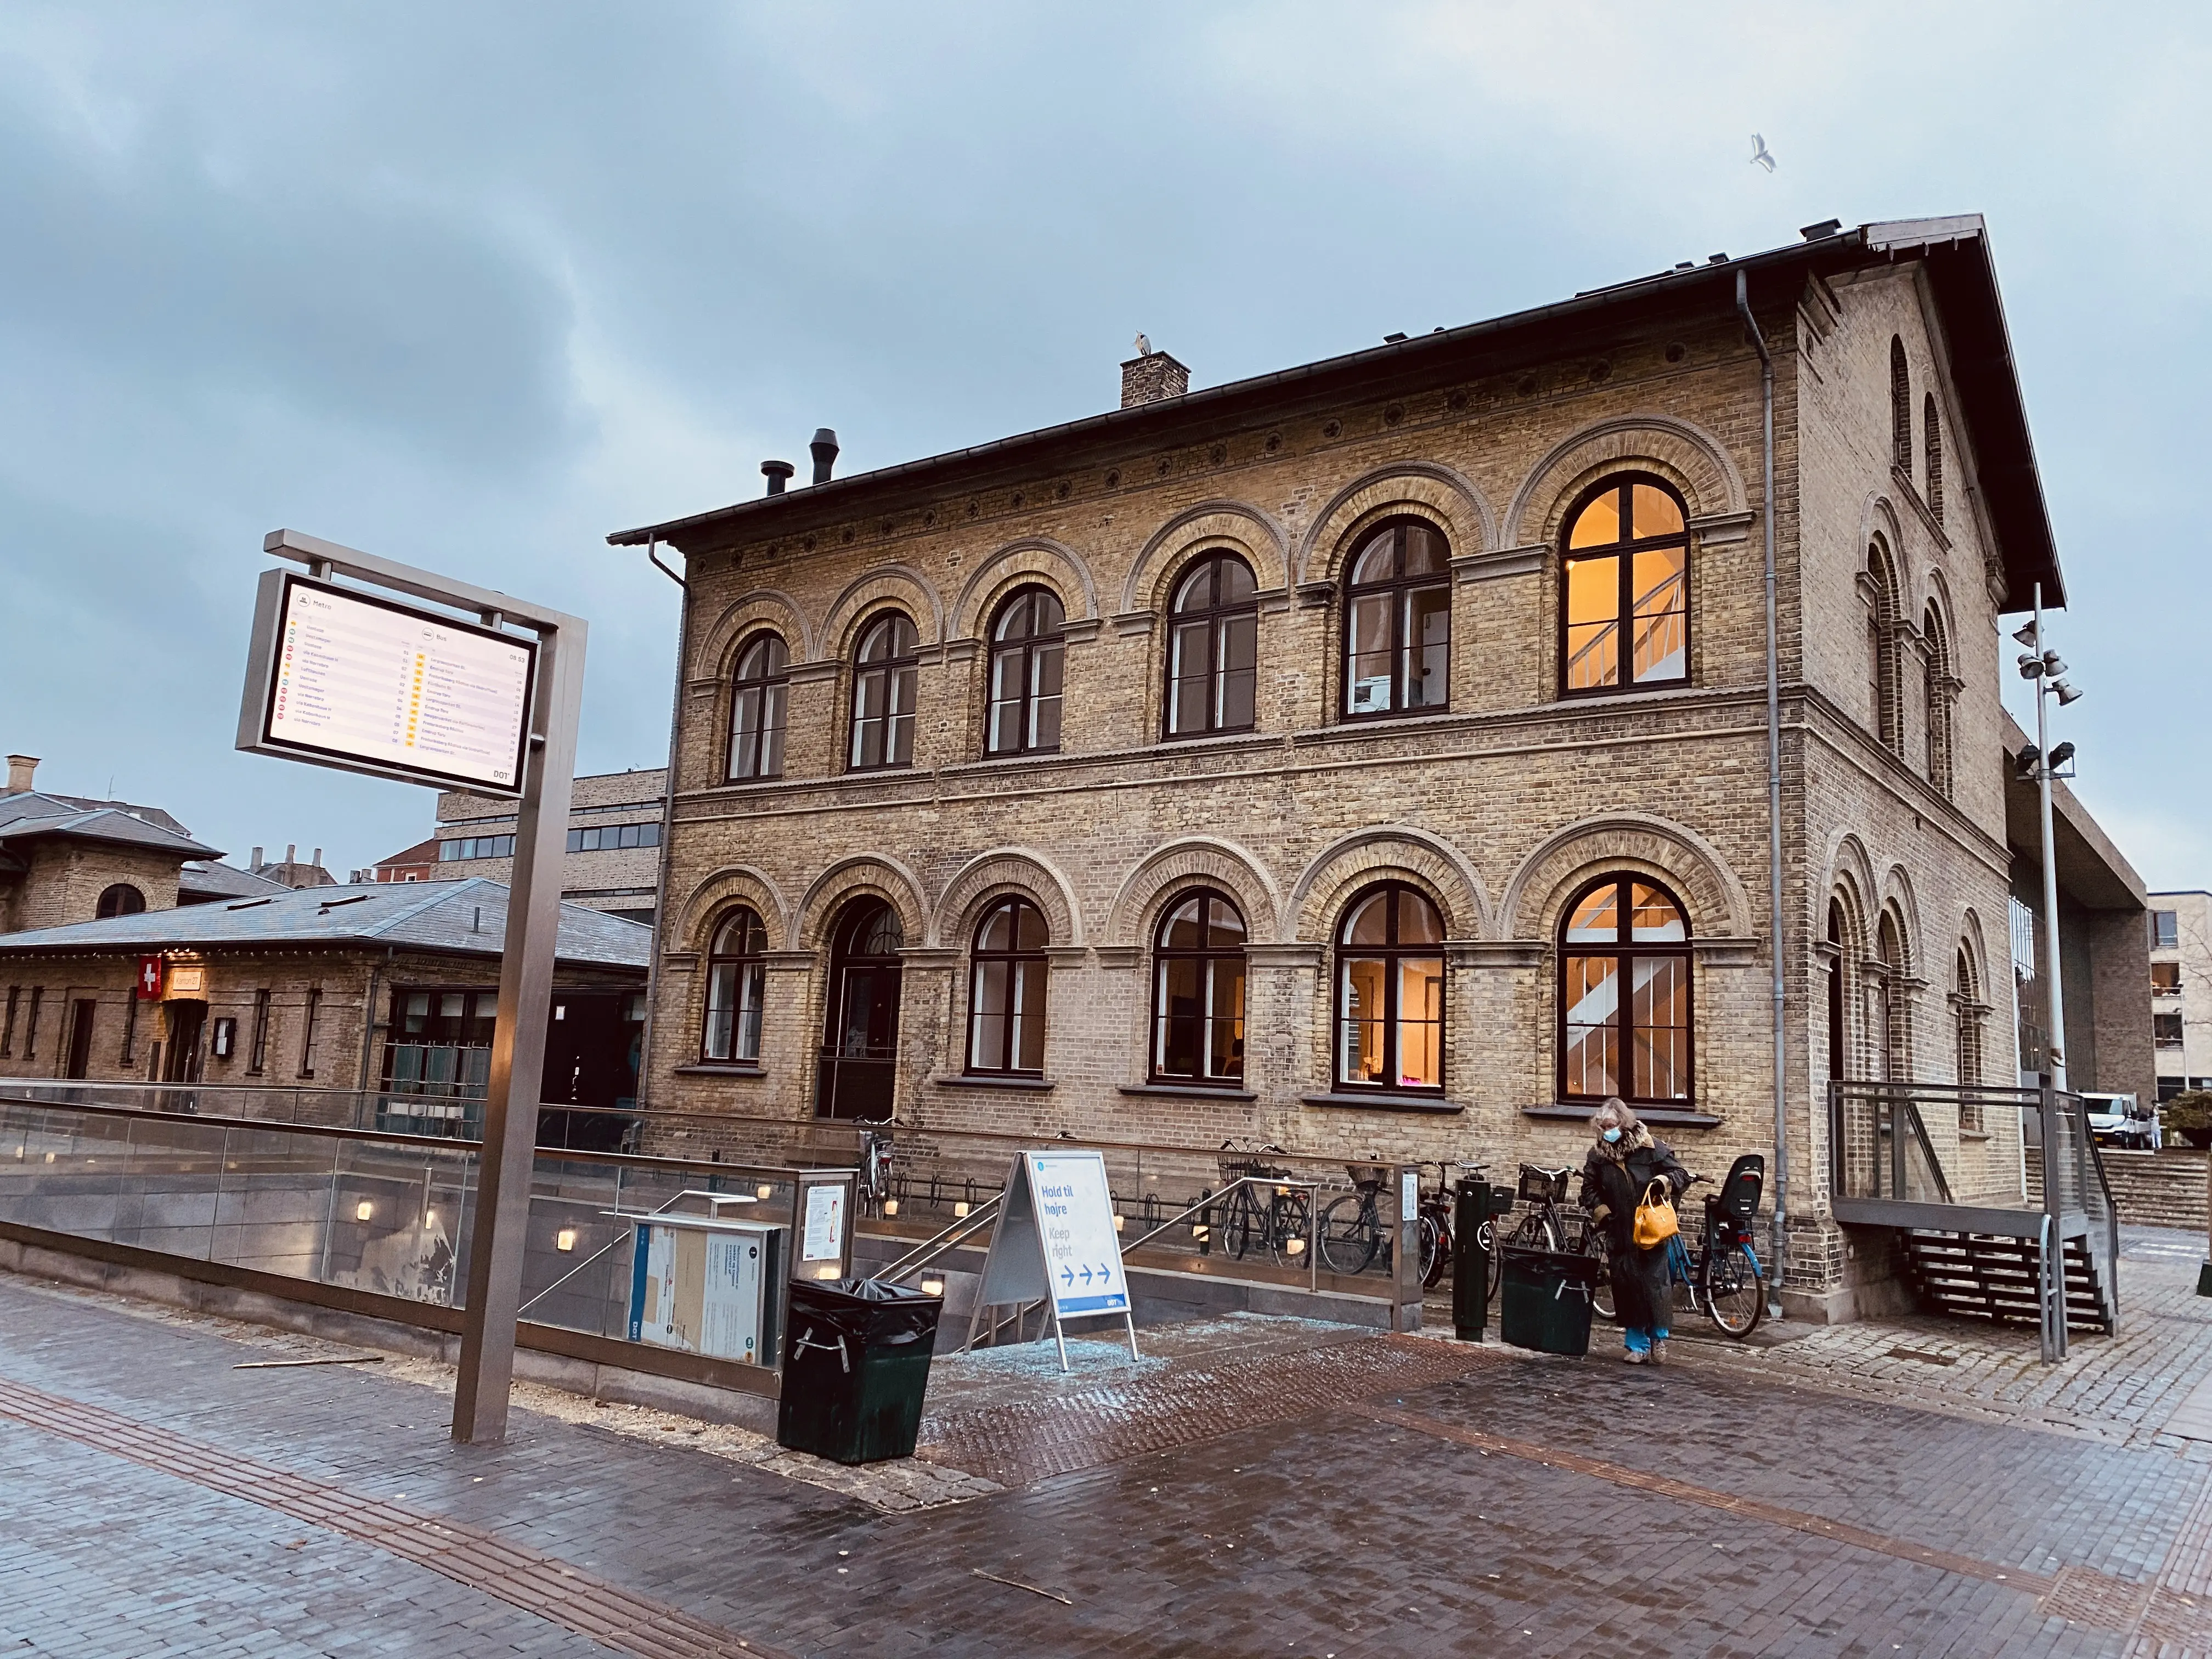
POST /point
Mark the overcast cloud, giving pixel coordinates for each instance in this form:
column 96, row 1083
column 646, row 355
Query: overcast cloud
column 470, row 285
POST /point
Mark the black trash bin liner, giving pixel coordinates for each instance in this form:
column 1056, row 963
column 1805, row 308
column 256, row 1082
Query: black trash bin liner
column 1545, row 1300
column 856, row 1365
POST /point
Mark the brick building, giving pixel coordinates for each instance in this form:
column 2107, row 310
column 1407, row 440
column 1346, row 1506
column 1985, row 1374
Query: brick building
column 330, row 988
column 1371, row 757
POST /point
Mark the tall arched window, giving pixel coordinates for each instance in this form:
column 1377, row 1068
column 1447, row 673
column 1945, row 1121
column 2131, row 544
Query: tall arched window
column 1390, row 992
column 1624, row 1020
column 1397, row 634
column 1900, row 408
column 1938, row 700
column 1197, row 990
column 1883, row 626
column 737, row 983
column 1965, row 1014
column 1931, row 432
column 1006, row 991
column 1838, row 1033
column 884, row 694
column 1027, row 657
column 758, row 696
column 858, row 1077
column 1893, row 1032
column 120, row 900
column 1213, row 649
column 1628, row 576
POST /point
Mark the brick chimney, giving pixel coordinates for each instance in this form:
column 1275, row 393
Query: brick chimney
column 20, row 768
column 1151, row 375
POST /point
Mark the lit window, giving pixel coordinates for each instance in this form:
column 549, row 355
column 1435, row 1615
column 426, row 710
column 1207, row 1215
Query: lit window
column 1625, row 1025
column 1626, row 590
column 1397, row 634
column 1390, row 992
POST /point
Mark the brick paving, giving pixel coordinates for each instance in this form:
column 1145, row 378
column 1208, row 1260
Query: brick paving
column 1471, row 1501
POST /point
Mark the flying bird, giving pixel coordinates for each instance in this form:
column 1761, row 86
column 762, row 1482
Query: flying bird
column 1759, row 152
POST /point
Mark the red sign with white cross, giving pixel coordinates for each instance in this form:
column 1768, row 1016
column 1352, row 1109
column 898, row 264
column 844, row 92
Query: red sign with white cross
column 149, row 979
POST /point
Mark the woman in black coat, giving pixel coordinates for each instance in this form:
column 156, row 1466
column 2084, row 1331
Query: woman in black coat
column 1623, row 1162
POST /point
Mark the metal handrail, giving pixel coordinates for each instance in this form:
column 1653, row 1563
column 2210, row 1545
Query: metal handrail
column 618, row 1240
column 945, row 1241
column 1313, row 1218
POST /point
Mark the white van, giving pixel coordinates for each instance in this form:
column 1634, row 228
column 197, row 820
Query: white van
column 2122, row 1121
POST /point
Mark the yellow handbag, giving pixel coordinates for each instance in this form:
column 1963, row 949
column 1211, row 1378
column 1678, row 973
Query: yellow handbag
column 1655, row 1220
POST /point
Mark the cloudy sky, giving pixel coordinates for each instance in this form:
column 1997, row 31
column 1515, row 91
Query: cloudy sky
column 470, row 285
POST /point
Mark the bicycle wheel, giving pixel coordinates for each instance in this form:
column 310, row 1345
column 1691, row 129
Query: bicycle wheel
column 1242, row 1226
column 1288, row 1218
column 1601, row 1303
column 1350, row 1235
column 1734, row 1294
column 1435, row 1250
column 1486, row 1237
column 1539, row 1230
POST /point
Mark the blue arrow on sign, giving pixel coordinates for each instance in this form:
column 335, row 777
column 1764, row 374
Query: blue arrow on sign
column 1067, row 1273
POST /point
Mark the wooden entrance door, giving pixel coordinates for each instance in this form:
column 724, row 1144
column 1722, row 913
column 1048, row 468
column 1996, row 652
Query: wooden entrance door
column 79, row 1042
column 186, row 1021
column 860, row 1040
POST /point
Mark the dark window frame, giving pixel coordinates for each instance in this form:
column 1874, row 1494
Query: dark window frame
column 749, row 974
column 1029, row 651
column 7, row 1030
column 1209, row 955
column 1399, row 587
column 772, row 685
column 1026, row 965
column 2164, row 930
column 1624, row 950
column 31, row 1023
column 893, row 670
column 1392, row 953
column 129, row 1054
column 257, row 1049
column 1624, row 550
column 1900, row 408
column 1217, row 615
column 307, row 1031
column 112, row 903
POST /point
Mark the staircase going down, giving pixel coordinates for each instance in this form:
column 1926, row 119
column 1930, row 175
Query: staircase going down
column 1988, row 1276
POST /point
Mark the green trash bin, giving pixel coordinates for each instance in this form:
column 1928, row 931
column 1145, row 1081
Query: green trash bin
column 856, row 1365
column 1545, row 1300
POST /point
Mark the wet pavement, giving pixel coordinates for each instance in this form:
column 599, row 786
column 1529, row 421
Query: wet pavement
column 1266, row 1487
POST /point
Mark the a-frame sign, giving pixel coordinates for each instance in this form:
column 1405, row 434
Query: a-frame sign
column 1054, row 1242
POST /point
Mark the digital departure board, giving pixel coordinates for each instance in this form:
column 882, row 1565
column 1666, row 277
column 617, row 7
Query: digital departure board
column 372, row 685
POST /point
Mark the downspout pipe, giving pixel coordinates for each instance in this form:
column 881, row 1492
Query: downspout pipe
column 1781, row 1240
column 667, row 826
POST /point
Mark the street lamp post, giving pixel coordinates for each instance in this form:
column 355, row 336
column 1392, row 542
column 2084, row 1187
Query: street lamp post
column 2041, row 664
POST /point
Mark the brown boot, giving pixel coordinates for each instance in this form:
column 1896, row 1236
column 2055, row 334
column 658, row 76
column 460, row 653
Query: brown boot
column 1659, row 1352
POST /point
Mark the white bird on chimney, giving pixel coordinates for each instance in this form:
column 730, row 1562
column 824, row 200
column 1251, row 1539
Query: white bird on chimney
column 1144, row 347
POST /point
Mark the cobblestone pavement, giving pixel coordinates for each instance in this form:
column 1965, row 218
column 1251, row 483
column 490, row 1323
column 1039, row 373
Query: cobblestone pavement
column 1386, row 1496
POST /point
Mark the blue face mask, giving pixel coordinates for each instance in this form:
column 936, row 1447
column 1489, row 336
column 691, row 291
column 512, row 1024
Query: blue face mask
column 1611, row 1135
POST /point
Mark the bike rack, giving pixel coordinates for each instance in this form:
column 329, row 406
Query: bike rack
column 1312, row 1189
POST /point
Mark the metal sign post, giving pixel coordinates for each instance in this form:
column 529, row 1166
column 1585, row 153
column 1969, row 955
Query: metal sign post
column 443, row 711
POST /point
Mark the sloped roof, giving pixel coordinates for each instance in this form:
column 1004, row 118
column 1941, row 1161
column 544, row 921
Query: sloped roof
column 468, row 916
column 213, row 879
column 1961, row 274
column 30, row 815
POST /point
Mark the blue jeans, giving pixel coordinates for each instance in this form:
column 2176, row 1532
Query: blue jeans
column 1639, row 1339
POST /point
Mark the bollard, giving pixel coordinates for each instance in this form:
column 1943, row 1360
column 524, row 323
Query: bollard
column 1470, row 1263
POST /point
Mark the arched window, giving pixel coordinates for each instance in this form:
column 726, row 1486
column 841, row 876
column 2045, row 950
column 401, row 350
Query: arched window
column 736, row 989
column 1938, row 700
column 1931, row 437
column 1838, row 1036
column 120, row 900
column 1006, row 991
column 858, row 1077
column 1900, row 408
column 1397, row 634
column 1966, row 1017
column 1624, row 1020
column 884, row 694
column 1026, row 659
column 1883, row 626
column 1390, row 992
column 1197, row 990
column 1213, row 649
column 1627, row 575
column 757, row 699
column 1892, row 1033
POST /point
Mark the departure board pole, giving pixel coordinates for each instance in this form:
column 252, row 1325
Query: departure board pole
column 321, row 687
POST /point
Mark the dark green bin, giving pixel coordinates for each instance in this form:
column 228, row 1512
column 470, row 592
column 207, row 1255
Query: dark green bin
column 856, row 1365
column 1545, row 1300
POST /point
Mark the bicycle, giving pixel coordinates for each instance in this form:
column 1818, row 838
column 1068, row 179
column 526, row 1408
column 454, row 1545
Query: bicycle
column 1353, row 1233
column 1551, row 1225
column 1722, row 1270
column 876, row 1165
column 1435, row 1227
column 1246, row 1219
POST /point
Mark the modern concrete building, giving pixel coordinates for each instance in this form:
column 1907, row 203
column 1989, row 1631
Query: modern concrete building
column 1372, row 758
column 2180, row 945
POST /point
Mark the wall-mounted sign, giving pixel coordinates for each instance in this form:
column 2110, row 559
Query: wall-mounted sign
column 187, row 981
column 152, row 972
column 367, row 684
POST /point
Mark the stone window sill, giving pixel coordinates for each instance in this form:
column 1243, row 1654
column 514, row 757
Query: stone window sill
column 977, row 1080
column 721, row 1068
column 1384, row 1102
column 1669, row 1117
column 1189, row 1091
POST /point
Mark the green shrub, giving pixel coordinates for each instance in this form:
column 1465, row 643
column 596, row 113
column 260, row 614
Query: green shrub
column 2188, row 1116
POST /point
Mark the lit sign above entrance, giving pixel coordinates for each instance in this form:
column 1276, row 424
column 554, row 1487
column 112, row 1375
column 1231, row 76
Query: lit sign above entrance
column 369, row 685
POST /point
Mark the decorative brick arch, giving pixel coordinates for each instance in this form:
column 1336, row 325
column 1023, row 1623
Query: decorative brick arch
column 1244, row 529
column 1423, row 489
column 887, row 584
column 885, row 878
column 764, row 608
column 1005, row 870
column 1685, row 454
column 1388, row 852
column 1899, row 899
column 735, row 884
column 1194, row 861
column 1690, row 866
column 1057, row 566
